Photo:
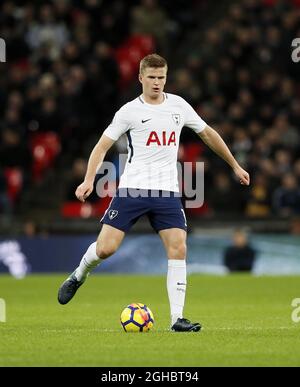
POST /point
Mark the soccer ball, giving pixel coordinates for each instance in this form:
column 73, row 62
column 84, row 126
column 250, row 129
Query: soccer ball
column 137, row 317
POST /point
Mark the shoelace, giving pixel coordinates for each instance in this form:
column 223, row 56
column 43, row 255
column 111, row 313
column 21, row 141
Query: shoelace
column 74, row 281
column 185, row 320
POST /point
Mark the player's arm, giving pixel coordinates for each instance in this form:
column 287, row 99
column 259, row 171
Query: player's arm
column 95, row 160
column 215, row 142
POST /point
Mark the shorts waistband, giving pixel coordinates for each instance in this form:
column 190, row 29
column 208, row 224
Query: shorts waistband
column 146, row 193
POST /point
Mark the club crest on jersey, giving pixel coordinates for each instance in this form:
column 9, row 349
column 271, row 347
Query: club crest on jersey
column 176, row 118
column 112, row 214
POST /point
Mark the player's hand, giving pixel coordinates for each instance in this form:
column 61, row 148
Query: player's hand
column 84, row 190
column 242, row 175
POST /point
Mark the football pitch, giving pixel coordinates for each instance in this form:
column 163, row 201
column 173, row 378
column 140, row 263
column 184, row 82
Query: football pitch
column 246, row 322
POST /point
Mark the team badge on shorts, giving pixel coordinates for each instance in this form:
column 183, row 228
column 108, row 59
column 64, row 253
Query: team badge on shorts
column 112, row 214
column 176, row 118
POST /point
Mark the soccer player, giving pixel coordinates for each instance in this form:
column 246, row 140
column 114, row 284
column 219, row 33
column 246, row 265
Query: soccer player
column 152, row 123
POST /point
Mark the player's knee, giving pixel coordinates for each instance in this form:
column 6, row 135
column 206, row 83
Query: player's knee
column 177, row 251
column 106, row 250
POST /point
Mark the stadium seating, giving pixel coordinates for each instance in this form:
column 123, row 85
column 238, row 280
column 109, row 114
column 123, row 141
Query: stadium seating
column 44, row 147
column 14, row 180
column 75, row 209
column 129, row 55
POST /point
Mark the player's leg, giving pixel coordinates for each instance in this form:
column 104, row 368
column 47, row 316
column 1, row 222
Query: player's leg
column 174, row 240
column 119, row 217
column 108, row 242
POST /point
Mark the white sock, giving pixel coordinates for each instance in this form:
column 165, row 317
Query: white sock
column 176, row 285
column 88, row 262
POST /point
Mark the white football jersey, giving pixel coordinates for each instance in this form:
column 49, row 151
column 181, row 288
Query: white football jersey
column 153, row 133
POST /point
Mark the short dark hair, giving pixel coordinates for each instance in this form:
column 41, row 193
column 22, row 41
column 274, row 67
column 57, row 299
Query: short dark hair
column 152, row 60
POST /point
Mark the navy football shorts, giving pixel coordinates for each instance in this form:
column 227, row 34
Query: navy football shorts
column 163, row 212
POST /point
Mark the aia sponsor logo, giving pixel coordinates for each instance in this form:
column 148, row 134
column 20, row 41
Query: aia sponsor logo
column 162, row 139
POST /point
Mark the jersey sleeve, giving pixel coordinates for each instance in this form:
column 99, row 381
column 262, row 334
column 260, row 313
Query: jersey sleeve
column 118, row 126
column 192, row 119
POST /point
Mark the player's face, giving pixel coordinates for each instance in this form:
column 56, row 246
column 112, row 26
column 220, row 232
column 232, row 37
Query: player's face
column 153, row 81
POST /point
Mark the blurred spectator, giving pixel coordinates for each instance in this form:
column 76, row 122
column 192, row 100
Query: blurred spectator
column 223, row 199
column 295, row 226
column 286, row 199
column 29, row 228
column 241, row 146
column 49, row 119
column 47, row 31
column 289, row 136
column 13, row 151
column 258, row 201
column 149, row 18
column 296, row 169
column 283, row 161
column 5, row 204
column 185, row 86
column 240, row 256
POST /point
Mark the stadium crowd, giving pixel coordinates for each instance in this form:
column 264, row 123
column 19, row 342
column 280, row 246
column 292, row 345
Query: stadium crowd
column 70, row 65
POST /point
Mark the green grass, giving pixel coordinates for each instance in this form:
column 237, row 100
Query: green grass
column 246, row 321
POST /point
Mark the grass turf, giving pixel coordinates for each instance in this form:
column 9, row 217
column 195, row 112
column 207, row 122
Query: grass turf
column 246, row 322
